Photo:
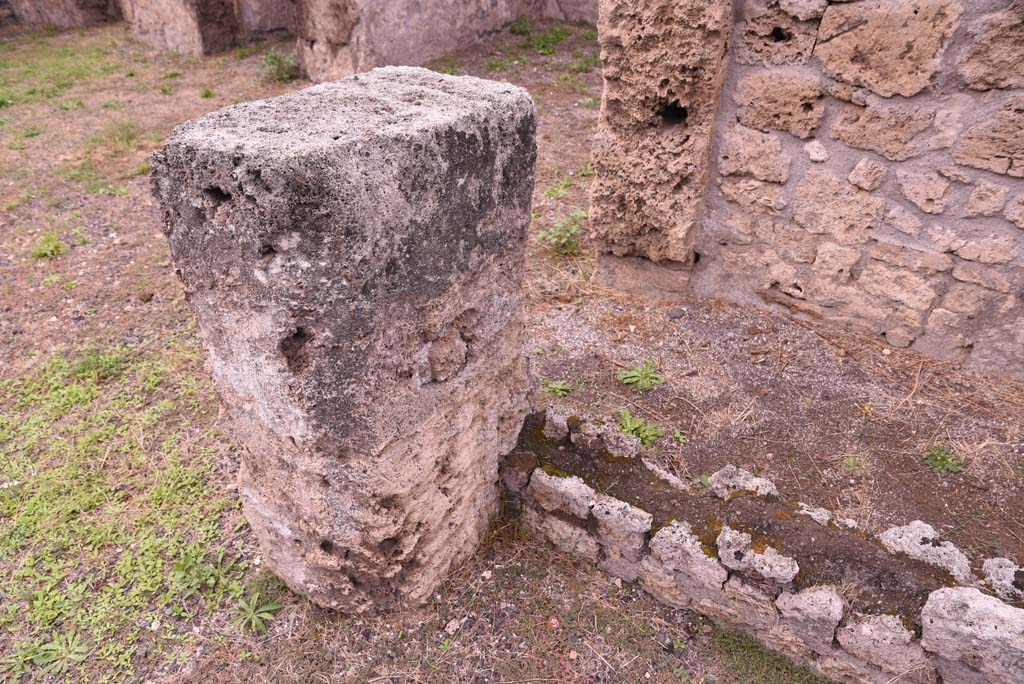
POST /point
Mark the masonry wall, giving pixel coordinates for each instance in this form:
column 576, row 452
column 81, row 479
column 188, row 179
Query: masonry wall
column 866, row 165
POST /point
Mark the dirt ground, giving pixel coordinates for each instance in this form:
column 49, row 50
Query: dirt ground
column 123, row 556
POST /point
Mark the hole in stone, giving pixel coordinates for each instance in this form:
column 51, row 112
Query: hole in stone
column 780, row 35
column 216, row 196
column 267, row 253
column 297, row 542
column 326, row 546
column 1018, row 579
column 293, row 348
column 389, row 546
column 807, row 106
column 673, row 114
column 696, row 258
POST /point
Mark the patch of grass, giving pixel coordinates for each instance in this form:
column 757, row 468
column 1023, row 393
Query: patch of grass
column 450, row 70
column 647, row 431
column 171, row 75
column 748, row 662
column 585, row 65
column 496, row 65
column 564, row 236
column 559, row 388
column 279, row 67
column 642, row 377
column 855, row 464
column 49, row 246
column 109, row 524
column 521, row 26
column 206, row 94
column 592, row 102
column 30, row 132
column 588, row 170
column 942, row 460
column 44, row 67
column 547, row 42
column 588, row 35
column 71, row 105
column 241, row 53
column 166, row 90
column 560, row 188
column 253, row 615
column 112, row 104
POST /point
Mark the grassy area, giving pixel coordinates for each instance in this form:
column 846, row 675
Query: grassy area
column 112, row 536
column 40, row 69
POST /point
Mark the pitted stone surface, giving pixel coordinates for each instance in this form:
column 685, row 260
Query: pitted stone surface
column 731, row 480
column 883, row 641
column 893, row 48
column 621, row 529
column 747, row 152
column 565, row 536
column 812, row 614
column 780, row 100
column 867, row 174
column 927, row 190
column 1005, row 577
column 352, row 241
column 996, row 144
column 569, row 495
column 604, row 439
column 920, row 541
column 996, row 59
column 984, row 634
column 556, row 422
column 678, row 571
column 891, row 131
column 738, row 552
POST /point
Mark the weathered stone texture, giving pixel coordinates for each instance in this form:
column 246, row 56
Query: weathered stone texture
column 191, row 27
column 927, row 190
column 780, row 100
column 748, row 153
column 64, row 13
column 996, row 58
column 891, row 47
column 354, row 255
column 996, row 144
column 772, row 36
column 664, row 61
column 889, row 131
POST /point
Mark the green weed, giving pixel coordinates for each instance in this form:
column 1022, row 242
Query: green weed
column 634, row 425
column 252, row 615
column 49, row 246
column 560, row 188
column 496, row 65
column 942, row 460
column 521, row 26
column 279, row 66
column 206, row 94
column 642, row 377
column 564, row 236
column 559, row 388
column 546, row 43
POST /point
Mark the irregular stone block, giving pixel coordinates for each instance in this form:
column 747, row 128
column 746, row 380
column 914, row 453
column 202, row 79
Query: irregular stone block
column 604, row 440
column 516, row 470
column 1005, row 577
column 664, row 63
column 746, row 152
column 996, row 59
column 996, row 144
column 780, row 100
column 556, row 422
column 963, row 624
column 826, row 205
column 190, row 27
column 773, row 36
column 331, row 242
column 885, row 642
column 987, row 199
column 920, row 541
column 813, row 614
column 889, row 131
column 562, row 535
column 898, row 285
column 926, row 190
column 265, row 19
column 1014, row 211
column 867, row 174
column 753, row 195
column 64, row 13
column 621, row 529
column 738, row 552
column 994, row 249
column 893, row 48
column 980, row 274
column 569, row 495
column 816, row 152
column 909, row 257
column 679, row 569
column 730, row 481
column 804, row 10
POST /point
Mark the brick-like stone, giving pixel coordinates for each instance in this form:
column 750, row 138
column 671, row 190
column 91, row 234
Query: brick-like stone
column 804, row 10
column 621, row 529
column 911, row 257
column 327, row 240
column 983, row 633
column 664, row 63
column 1005, row 577
column 888, row 130
column 994, row 249
column 893, row 48
column 885, row 642
column 570, row 495
column 996, row 59
column 816, row 152
column 780, row 100
column 1014, row 211
column 897, row 284
column 991, row 277
column 739, row 552
column 747, row 152
column 927, row 190
column 730, row 480
column 987, row 199
column 753, row 195
column 996, row 144
column 920, row 541
column 773, row 37
column 867, row 174
column 563, row 536
column 826, row 205
column 813, row 614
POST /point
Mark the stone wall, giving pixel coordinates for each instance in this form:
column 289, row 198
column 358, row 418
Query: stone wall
column 341, row 37
column 202, row 27
column 865, row 163
column 354, row 255
column 905, row 606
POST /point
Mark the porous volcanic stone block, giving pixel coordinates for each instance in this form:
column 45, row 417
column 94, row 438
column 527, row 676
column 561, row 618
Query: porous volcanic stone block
column 191, row 27
column 354, row 255
column 664, row 62
column 64, row 13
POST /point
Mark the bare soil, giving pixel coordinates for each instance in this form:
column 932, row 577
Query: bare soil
column 834, row 419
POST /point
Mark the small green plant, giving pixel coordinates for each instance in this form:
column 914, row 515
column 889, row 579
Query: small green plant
column 19, row 662
column 49, row 246
column 253, row 615
column 588, row 170
column 588, row 35
column 559, row 388
column 279, row 67
column 854, row 464
column 241, row 53
column 166, row 90
column 942, row 460
column 171, row 75
column 521, row 26
column 585, row 65
column 61, row 654
column 564, row 236
column 31, row 132
column 496, row 65
column 642, row 377
column 112, row 104
column 560, row 188
column 592, row 102
column 71, row 105
column 680, row 437
column 547, row 42
column 450, row 70
column 634, row 425
column 206, row 94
